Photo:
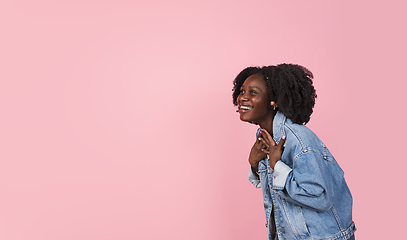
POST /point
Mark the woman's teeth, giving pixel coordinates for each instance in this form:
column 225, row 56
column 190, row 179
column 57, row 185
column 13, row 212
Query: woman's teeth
column 245, row 108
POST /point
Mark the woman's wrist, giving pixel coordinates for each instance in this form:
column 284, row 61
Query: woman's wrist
column 255, row 170
column 273, row 164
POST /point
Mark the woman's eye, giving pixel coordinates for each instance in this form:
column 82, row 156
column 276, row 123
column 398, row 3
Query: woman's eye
column 241, row 92
column 253, row 92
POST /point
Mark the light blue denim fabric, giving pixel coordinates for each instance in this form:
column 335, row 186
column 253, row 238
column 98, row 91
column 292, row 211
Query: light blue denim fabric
column 307, row 189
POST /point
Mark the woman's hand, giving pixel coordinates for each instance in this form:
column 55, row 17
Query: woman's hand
column 273, row 150
column 257, row 152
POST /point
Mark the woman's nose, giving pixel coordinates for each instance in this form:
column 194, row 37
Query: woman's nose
column 243, row 97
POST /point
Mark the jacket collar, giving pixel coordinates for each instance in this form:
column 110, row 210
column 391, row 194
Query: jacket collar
column 278, row 126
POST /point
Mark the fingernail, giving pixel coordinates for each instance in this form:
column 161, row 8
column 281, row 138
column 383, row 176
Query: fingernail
column 283, row 137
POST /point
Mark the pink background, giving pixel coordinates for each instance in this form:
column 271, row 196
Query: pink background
column 117, row 119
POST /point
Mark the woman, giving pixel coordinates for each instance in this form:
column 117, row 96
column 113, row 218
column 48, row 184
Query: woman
column 304, row 192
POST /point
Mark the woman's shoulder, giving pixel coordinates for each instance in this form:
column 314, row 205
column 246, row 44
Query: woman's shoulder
column 297, row 134
column 302, row 134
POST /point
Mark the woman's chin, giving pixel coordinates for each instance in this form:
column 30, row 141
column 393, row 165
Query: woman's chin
column 244, row 118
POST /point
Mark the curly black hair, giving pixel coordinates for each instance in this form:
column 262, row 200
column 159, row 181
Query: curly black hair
column 290, row 86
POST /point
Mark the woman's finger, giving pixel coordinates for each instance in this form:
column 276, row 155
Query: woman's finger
column 259, row 140
column 259, row 144
column 282, row 141
column 269, row 137
column 265, row 143
column 264, row 138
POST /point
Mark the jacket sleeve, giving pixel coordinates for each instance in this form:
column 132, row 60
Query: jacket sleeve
column 309, row 183
column 254, row 179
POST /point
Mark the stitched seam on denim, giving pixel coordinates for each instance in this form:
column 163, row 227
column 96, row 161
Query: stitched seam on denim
column 279, row 212
column 303, row 220
column 331, row 159
column 282, row 125
column 303, row 146
column 338, row 220
column 296, row 157
column 347, row 232
column 269, row 173
column 325, row 150
column 289, row 219
column 282, row 131
column 315, row 151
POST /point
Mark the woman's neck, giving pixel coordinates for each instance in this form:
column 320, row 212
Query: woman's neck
column 267, row 123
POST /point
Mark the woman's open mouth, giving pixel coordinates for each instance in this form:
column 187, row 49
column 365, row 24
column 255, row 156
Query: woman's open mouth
column 243, row 108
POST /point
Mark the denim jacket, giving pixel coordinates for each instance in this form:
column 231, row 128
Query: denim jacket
column 307, row 189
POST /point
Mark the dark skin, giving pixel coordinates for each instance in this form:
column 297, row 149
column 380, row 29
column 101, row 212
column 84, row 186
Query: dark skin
column 255, row 106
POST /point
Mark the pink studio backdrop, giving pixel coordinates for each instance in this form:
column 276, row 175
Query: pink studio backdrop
column 117, row 119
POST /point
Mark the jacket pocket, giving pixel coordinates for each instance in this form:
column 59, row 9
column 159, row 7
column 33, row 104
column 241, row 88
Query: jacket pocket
column 295, row 219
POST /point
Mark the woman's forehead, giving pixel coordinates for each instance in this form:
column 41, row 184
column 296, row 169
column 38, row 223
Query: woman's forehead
column 255, row 81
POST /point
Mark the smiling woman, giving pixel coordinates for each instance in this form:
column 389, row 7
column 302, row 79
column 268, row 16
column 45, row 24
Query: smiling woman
column 304, row 191
column 254, row 99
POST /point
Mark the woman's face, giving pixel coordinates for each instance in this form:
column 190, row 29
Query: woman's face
column 253, row 101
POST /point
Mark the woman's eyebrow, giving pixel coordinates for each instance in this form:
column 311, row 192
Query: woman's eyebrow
column 254, row 87
column 251, row 87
